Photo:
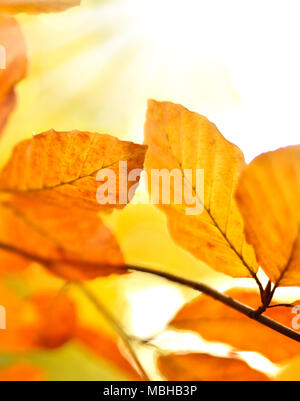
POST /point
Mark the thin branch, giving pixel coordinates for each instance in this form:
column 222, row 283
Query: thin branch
column 278, row 305
column 232, row 303
column 244, row 309
column 110, row 318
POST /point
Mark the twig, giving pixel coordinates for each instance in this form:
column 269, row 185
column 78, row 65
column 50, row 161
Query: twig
column 108, row 316
column 232, row 303
column 278, row 305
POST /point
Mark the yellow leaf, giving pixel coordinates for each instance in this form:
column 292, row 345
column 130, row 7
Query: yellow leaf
column 204, row 367
column 61, row 167
column 268, row 196
column 180, row 139
column 215, row 321
column 36, row 6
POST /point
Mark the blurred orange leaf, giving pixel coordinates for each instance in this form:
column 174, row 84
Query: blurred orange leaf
column 45, row 320
column 106, row 347
column 19, row 335
column 204, row 367
column 7, row 105
column 36, row 6
column 73, row 243
column 21, row 372
column 180, row 139
column 268, row 195
column 56, row 318
column 215, row 321
column 13, row 64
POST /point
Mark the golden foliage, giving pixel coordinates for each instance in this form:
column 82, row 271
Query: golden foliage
column 180, row 139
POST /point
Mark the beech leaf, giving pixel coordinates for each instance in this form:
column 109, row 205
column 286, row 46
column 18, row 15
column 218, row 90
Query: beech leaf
column 73, row 243
column 61, row 167
column 180, row 139
column 215, row 321
column 268, row 195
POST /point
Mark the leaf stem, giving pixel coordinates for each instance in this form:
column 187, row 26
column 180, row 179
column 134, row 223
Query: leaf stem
column 232, row 303
column 114, row 323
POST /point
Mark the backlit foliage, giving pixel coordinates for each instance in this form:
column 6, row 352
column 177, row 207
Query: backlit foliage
column 54, row 232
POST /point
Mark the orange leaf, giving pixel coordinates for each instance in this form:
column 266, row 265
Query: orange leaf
column 56, row 319
column 73, row 243
column 7, row 105
column 13, row 59
column 268, row 195
column 21, row 372
column 20, row 334
column 204, row 367
column 182, row 140
column 44, row 320
column 62, row 167
column 11, row 263
column 106, row 347
column 36, row 6
column 215, row 321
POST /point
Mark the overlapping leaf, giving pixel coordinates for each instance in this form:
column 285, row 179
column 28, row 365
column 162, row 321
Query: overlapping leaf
column 36, row 6
column 268, row 195
column 204, row 367
column 72, row 243
column 217, row 322
column 180, row 139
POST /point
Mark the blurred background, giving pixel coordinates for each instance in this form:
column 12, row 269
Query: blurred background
column 93, row 68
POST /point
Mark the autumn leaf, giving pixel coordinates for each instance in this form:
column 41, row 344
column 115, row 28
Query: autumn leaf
column 13, row 59
column 73, row 243
column 36, row 6
column 107, row 348
column 7, row 105
column 180, row 139
column 21, row 371
column 19, row 334
column 204, row 367
column 45, row 320
column 61, row 167
column 268, row 195
column 215, row 321
column 11, row 263
column 56, row 321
